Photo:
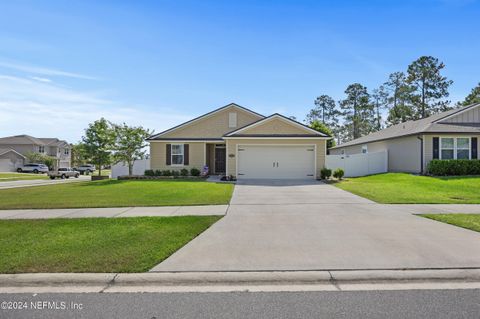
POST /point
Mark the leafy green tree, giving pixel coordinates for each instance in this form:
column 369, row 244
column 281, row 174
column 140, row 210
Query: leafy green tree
column 430, row 87
column 34, row 157
column 473, row 97
column 130, row 144
column 380, row 102
column 79, row 155
column 358, row 111
column 99, row 142
column 321, row 127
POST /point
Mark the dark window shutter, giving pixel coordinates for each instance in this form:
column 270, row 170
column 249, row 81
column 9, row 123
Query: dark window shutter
column 474, row 148
column 436, row 148
column 169, row 154
column 186, row 153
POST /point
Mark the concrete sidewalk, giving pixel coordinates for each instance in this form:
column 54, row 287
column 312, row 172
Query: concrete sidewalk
column 114, row 212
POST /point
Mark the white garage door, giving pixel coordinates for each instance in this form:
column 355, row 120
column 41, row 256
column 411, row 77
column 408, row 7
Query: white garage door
column 6, row 165
column 276, row 162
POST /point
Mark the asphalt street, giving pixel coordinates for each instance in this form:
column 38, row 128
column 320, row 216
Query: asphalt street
column 435, row 304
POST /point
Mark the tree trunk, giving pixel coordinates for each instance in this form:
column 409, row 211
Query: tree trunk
column 130, row 168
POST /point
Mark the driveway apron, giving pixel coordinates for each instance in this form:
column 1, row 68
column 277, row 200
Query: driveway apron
column 299, row 225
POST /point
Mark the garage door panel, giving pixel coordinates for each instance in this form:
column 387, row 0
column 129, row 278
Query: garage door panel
column 276, row 162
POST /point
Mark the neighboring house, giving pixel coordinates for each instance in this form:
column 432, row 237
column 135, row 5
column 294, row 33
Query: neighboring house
column 10, row 160
column 453, row 134
column 23, row 144
column 234, row 140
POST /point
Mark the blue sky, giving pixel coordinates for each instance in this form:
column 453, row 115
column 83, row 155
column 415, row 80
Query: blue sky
column 64, row 64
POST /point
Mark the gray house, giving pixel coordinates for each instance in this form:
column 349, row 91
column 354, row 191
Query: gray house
column 14, row 149
column 453, row 134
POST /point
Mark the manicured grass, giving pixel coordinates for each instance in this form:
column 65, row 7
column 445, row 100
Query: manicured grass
column 8, row 177
column 115, row 193
column 469, row 221
column 94, row 244
column 401, row 188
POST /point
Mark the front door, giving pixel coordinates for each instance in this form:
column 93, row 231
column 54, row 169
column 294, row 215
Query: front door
column 220, row 159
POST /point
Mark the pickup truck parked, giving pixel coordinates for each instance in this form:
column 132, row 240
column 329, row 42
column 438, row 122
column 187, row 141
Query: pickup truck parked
column 86, row 169
column 64, row 173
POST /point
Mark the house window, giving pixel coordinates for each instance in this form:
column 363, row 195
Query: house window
column 463, row 148
column 455, row 148
column 232, row 120
column 66, row 151
column 177, row 154
column 364, row 149
column 41, row 149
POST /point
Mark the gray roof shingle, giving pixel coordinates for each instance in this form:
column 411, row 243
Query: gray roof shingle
column 426, row 125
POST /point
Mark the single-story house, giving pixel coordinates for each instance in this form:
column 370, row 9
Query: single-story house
column 453, row 134
column 234, row 140
column 10, row 160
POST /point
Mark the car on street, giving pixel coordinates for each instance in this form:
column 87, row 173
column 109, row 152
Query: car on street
column 33, row 168
column 64, row 173
column 86, row 169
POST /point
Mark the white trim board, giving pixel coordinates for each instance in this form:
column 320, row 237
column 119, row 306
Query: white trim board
column 272, row 117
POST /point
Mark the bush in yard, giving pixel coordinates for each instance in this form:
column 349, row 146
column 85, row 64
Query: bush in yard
column 454, row 167
column 195, row 172
column 325, row 173
column 184, row 172
column 175, row 173
column 166, row 172
column 149, row 172
column 338, row 173
column 158, row 172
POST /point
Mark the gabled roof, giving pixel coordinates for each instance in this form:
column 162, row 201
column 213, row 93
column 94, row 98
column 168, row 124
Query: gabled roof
column 53, row 142
column 8, row 150
column 309, row 132
column 21, row 139
column 431, row 124
column 153, row 137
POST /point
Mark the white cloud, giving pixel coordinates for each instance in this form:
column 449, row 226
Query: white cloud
column 43, row 109
column 44, row 71
column 36, row 78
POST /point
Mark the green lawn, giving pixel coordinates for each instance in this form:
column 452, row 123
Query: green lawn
column 469, row 221
column 402, row 188
column 94, row 244
column 8, row 177
column 115, row 193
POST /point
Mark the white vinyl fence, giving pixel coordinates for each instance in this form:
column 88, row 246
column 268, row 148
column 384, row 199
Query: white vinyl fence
column 359, row 164
column 139, row 168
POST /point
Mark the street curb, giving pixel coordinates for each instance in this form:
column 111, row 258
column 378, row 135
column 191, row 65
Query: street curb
column 238, row 278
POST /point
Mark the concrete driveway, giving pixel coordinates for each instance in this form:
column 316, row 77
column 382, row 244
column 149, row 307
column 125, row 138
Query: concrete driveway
column 313, row 226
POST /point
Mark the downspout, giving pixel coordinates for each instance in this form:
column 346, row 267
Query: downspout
column 421, row 154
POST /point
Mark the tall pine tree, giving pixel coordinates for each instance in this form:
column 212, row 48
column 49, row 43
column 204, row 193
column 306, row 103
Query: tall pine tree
column 380, row 102
column 400, row 99
column 430, row 86
column 473, row 97
column 358, row 111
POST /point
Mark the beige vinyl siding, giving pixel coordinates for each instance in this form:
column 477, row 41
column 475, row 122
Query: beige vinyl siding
column 404, row 153
column 233, row 143
column 275, row 126
column 470, row 116
column 429, row 144
column 158, row 156
column 214, row 126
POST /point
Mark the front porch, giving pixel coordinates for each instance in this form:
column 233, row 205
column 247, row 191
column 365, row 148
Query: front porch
column 216, row 158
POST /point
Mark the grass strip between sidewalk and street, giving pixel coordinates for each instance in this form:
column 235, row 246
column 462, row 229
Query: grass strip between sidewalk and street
column 404, row 188
column 468, row 221
column 94, row 244
column 115, row 193
column 10, row 177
